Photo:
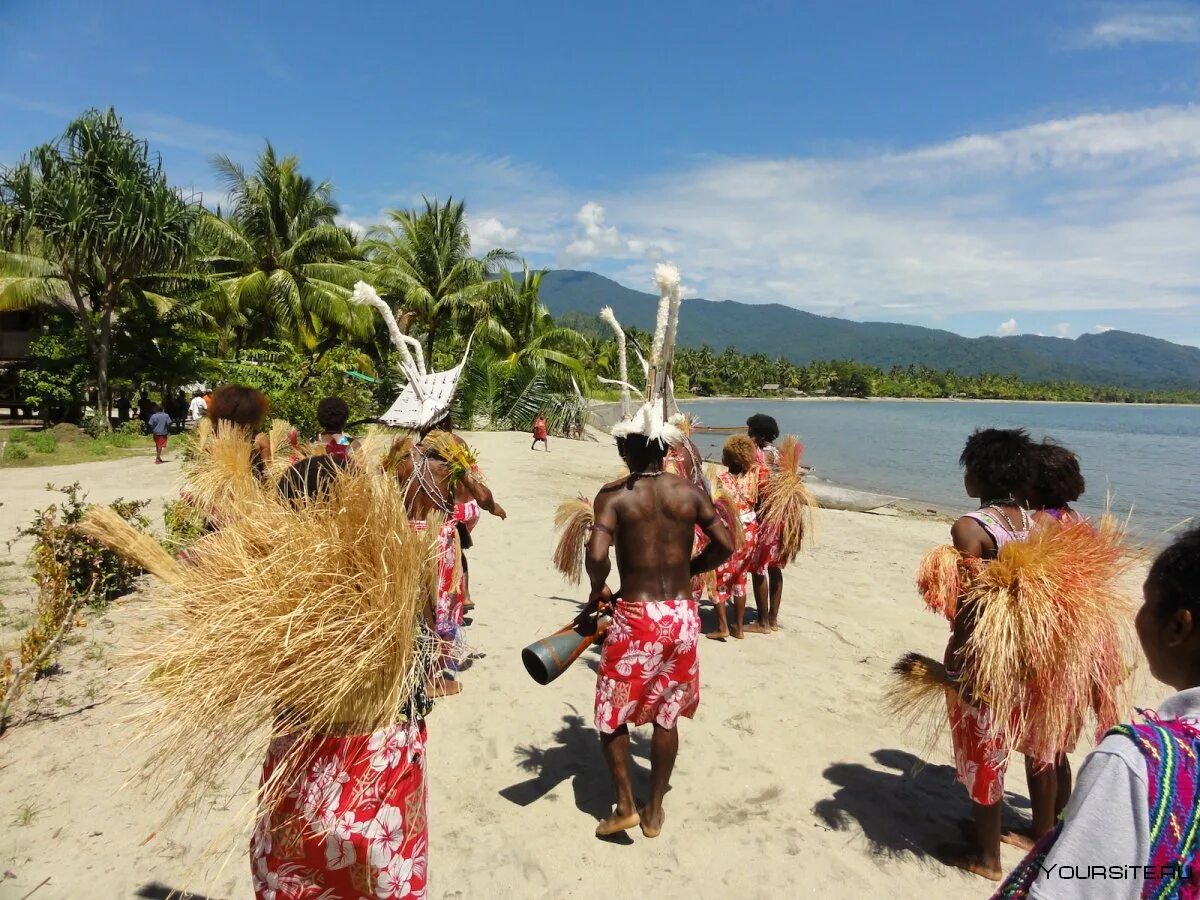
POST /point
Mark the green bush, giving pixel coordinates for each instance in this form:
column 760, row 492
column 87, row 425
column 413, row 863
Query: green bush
column 97, row 424
column 17, row 435
column 99, row 448
column 16, row 451
column 120, row 439
column 43, row 442
column 134, row 428
column 184, row 524
column 92, row 570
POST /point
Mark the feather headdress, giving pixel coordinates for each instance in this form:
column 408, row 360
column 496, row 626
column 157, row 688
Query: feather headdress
column 649, row 422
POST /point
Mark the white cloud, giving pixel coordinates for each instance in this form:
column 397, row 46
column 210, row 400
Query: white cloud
column 1062, row 329
column 1100, row 329
column 599, row 239
column 1149, row 23
column 354, row 225
column 1007, row 327
column 490, row 232
column 1068, row 216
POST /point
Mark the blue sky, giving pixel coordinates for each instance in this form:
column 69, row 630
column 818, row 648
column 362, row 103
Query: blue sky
column 989, row 168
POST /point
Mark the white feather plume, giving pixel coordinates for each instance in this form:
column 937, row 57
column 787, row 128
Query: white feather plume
column 625, row 385
column 648, row 421
column 365, row 295
column 666, row 276
column 610, row 318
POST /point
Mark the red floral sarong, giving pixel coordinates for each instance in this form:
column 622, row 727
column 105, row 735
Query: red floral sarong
column 731, row 574
column 980, row 753
column 448, row 611
column 649, row 668
column 767, row 552
column 353, row 824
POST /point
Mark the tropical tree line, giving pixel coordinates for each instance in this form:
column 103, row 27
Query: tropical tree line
column 137, row 283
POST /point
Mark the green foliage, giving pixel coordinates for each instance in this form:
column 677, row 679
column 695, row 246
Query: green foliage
column 132, row 428
column 97, row 424
column 55, row 376
column 93, row 227
column 17, row 435
column 42, row 442
column 91, row 570
column 281, row 268
column 184, row 524
column 296, row 383
column 16, row 450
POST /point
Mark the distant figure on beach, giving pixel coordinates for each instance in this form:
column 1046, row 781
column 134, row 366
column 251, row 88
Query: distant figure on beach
column 649, row 668
column 1137, row 801
column 198, row 408
column 160, row 426
column 766, row 567
column 997, row 466
column 540, row 434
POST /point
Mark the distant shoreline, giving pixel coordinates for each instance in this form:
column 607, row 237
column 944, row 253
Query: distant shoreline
column 723, row 399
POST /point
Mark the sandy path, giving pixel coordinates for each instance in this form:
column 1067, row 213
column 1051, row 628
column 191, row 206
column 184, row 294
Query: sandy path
column 789, row 781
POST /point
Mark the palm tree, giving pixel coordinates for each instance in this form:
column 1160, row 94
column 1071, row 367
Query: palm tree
column 522, row 331
column 281, row 266
column 89, row 224
column 423, row 258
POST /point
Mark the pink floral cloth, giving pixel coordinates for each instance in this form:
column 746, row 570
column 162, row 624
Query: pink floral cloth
column 649, row 668
column 980, row 752
column 448, row 611
column 353, row 824
column 731, row 574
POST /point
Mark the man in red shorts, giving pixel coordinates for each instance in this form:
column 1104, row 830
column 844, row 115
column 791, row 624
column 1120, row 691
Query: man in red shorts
column 160, row 427
column 649, row 670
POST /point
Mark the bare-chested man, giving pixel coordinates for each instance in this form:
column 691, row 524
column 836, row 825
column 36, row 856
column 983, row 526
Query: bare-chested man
column 649, row 670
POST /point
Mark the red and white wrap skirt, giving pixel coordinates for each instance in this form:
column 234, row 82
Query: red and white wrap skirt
column 353, row 822
column 649, row 668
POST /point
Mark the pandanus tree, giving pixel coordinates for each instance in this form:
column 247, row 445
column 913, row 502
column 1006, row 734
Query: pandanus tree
column 89, row 224
column 281, row 266
column 422, row 260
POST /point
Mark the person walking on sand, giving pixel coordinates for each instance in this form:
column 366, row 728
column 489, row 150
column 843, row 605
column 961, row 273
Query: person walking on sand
column 160, row 426
column 740, row 483
column 766, row 568
column 540, row 434
column 649, row 667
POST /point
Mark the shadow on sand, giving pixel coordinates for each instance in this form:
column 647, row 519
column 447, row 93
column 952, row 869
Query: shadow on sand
column 156, row 890
column 575, row 754
column 908, row 807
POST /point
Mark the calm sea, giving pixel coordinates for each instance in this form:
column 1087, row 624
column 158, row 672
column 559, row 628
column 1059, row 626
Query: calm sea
column 1144, row 457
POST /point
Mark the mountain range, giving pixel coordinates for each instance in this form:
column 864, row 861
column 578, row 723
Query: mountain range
column 1116, row 358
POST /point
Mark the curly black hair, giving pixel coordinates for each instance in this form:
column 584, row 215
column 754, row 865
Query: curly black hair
column 999, row 459
column 332, row 413
column 640, row 452
column 309, row 478
column 760, row 425
column 1176, row 574
column 1056, row 480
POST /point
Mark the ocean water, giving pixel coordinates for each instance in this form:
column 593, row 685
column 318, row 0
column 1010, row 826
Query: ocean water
column 1140, row 458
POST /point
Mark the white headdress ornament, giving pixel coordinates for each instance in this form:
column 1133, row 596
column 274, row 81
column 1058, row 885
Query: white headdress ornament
column 648, row 421
column 610, row 318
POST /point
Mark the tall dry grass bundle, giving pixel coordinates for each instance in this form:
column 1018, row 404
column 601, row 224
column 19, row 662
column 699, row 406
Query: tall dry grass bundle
column 1052, row 637
column 220, row 478
column 573, row 519
column 787, row 505
column 306, row 618
column 374, row 445
column 916, row 693
column 105, row 525
column 940, row 579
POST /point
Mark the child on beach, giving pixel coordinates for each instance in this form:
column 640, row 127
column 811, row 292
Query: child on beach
column 540, row 434
column 996, row 467
column 766, row 571
column 741, row 483
column 1130, row 829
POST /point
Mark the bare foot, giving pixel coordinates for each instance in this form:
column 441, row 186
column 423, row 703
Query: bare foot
column 717, row 635
column 443, row 687
column 968, row 859
column 616, row 823
column 757, row 628
column 1021, row 838
column 775, row 626
column 738, row 635
column 652, row 825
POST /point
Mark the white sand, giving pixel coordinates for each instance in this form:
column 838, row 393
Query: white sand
column 790, row 781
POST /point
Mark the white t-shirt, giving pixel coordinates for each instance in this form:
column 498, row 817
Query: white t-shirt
column 197, row 408
column 1105, row 838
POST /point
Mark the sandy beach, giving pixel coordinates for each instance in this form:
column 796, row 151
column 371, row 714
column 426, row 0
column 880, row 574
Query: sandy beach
column 790, row 781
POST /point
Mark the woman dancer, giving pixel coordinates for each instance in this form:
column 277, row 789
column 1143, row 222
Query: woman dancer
column 740, row 482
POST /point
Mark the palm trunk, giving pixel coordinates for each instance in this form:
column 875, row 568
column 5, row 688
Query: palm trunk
column 103, row 351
